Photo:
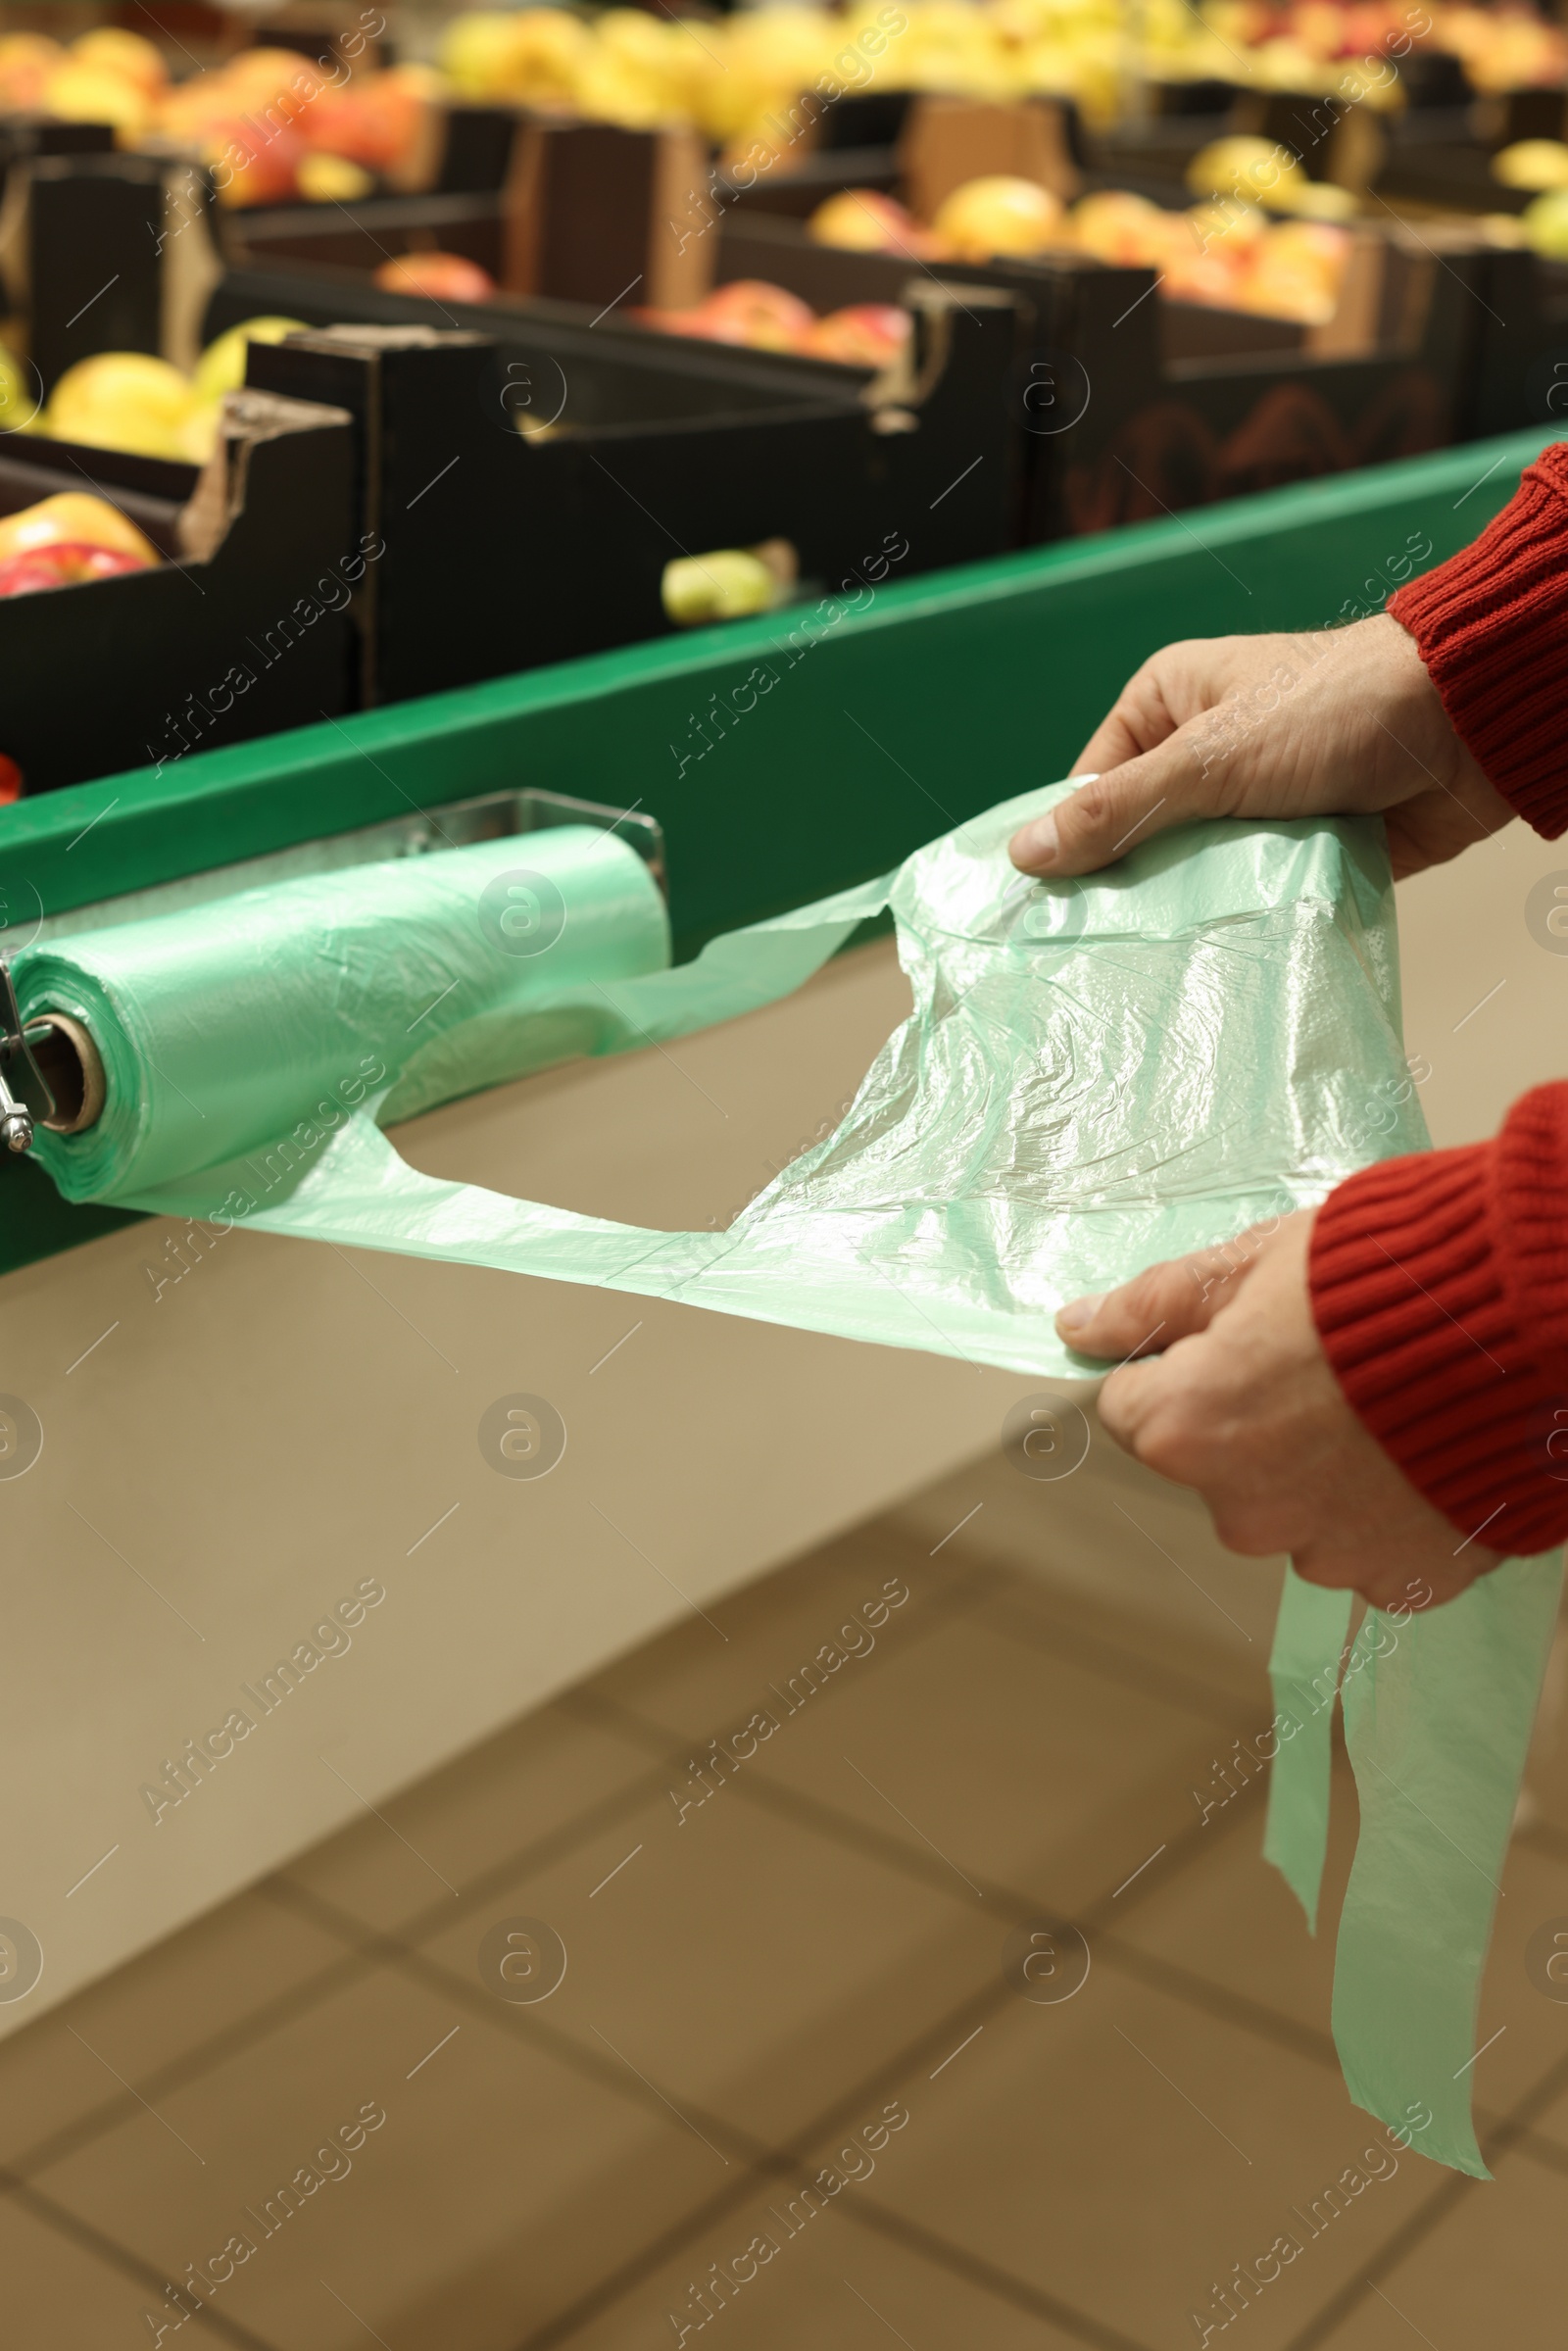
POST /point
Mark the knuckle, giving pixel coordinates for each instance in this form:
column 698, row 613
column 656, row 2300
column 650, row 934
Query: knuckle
column 1088, row 810
column 1164, row 1444
column 1131, row 1316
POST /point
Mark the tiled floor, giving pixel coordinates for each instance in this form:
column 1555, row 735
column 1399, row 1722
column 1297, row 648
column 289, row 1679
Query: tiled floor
column 787, row 1969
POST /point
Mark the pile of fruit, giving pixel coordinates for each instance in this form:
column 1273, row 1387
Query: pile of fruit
column 737, row 79
column 765, row 318
column 1224, row 252
column 130, row 401
column 274, row 127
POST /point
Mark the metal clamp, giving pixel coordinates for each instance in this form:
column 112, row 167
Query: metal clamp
column 25, row 1096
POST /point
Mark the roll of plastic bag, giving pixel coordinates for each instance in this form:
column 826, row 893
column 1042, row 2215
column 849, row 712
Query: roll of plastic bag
column 228, row 1027
column 1095, row 1074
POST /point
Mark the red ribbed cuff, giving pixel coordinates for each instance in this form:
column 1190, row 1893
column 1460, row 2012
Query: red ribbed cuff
column 1491, row 627
column 1440, row 1289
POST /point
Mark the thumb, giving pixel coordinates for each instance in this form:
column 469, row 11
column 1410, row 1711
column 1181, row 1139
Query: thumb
column 1110, row 815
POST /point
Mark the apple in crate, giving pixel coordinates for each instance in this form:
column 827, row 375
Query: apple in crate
column 863, row 221
column 439, row 277
column 60, row 543
column 750, row 311
column 869, row 334
column 999, row 218
column 65, row 564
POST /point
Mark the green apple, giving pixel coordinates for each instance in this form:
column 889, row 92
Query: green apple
column 221, row 366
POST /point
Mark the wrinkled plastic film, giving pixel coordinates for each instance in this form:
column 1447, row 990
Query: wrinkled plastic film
column 1309, row 1634
column 1095, row 1074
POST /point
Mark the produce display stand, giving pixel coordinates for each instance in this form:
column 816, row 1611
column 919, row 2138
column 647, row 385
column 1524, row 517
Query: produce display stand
column 209, row 648
column 1134, row 405
column 533, row 504
column 1123, row 405
column 1441, row 156
column 1523, row 363
column 526, row 482
column 363, row 235
column 314, row 1411
column 981, row 679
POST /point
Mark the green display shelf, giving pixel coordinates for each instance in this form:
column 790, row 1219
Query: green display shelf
column 786, row 757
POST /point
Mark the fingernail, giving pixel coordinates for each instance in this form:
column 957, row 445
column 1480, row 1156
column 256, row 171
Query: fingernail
column 1039, row 844
column 1078, row 1316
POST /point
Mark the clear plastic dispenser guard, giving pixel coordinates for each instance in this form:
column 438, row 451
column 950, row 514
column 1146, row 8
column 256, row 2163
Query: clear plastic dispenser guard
column 1095, row 1074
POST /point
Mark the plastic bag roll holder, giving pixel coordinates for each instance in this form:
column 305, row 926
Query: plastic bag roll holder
column 50, row 1073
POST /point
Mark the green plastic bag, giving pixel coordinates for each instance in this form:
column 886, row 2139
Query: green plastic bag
column 1095, row 1074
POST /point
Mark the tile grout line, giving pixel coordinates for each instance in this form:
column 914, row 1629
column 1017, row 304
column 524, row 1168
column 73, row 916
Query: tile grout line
column 868, row 2214
column 189, row 2065
column 809, row 1812
column 1506, row 2138
column 1099, row 1654
column 177, row 2073
column 368, row 1947
column 766, row 2164
column 88, row 2237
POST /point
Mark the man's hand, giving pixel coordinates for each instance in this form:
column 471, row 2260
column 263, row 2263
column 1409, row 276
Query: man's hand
column 1241, row 1403
column 1342, row 723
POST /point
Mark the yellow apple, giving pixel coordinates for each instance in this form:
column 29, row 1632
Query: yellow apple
column 998, row 217
column 1256, row 169
column 723, row 586
column 332, row 179
column 86, row 93
column 112, row 50
column 1545, row 223
column 122, row 400
column 1535, row 164
column 221, row 366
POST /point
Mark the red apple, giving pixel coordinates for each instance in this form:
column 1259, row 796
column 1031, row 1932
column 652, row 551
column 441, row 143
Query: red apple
column 65, row 564
column 442, row 276
column 378, row 121
column 869, row 334
column 752, row 311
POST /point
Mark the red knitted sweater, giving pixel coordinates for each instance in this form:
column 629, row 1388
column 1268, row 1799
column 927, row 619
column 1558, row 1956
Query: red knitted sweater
column 1439, row 1283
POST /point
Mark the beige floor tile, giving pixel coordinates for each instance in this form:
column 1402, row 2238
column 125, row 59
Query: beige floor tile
column 990, row 1758
column 531, row 1781
column 833, row 2285
column 1495, row 2271
column 1129, row 1543
column 500, row 2184
column 698, row 1682
column 1552, row 2121
column 1229, row 1917
column 239, row 1960
column 750, row 1968
column 59, row 2295
column 1124, row 2153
